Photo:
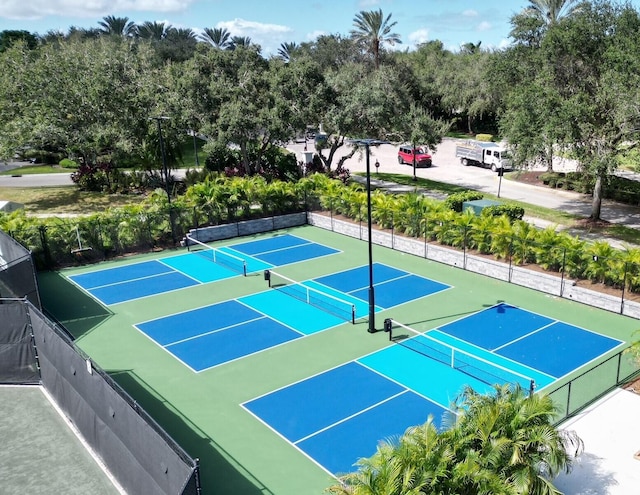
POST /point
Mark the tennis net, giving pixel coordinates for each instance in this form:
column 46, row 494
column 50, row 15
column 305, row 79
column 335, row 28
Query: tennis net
column 321, row 300
column 470, row 364
column 227, row 260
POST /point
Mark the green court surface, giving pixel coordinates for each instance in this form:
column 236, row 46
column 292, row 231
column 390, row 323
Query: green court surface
column 39, row 453
column 202, row 411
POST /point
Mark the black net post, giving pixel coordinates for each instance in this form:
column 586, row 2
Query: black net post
column 388, row 325
column 267, row 277
column 532, row 388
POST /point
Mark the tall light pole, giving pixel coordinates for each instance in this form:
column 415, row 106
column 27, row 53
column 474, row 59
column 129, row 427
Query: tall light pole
column 165, row 172
column 195, row 148
column 367, row 143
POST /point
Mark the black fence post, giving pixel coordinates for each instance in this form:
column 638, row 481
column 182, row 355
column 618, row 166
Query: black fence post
column 563, row 270
column 48, row 261
column 624, row 284
column 510, row 258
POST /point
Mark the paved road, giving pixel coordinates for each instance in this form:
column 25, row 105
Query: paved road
column 448, row 169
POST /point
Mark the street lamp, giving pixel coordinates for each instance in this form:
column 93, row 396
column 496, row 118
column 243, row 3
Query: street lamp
column 367, row 143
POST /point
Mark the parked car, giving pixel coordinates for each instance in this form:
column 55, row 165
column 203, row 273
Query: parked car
column 406, row 154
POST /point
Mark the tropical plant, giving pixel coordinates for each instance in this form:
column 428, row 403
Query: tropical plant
column 286, row 50
column 600, row 258
column 239, row 41
column 373, row 30
column 155, row 31
column 524, row 236
column 217, row 37
column 511, row 433
column 384, row 208
column 551, row 11
column 503, row 442
column 117, row 26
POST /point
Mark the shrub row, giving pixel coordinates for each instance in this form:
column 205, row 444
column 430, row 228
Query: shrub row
column 156, row 222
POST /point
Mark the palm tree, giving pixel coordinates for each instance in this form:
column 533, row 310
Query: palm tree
column 551, row 11
column 286, row 50
column 182, row 34
column 217, row 37
column 471, row 48
column 153, row 30
column 373, row 30
column 511, row 433
column 118, row 26
column 236, row 41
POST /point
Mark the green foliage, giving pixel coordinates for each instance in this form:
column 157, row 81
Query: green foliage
column 220, row 157
column 487, row 138
column 68, row 163
column 455, row 201
column 502, row 443
column 513, row 212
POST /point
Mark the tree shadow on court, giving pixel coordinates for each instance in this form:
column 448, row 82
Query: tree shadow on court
column 65, row 303
column 220, row 472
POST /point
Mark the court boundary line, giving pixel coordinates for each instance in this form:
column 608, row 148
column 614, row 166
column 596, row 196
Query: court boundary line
column 189, row 276
column 326, row 428
column 522, row 337
column 210, row 332
column 351, row 416
column 593, row 360
column 106, row 305
column 287, row 441
column 553, row 322
column 306, row 241
column 288, row 326
column 475, row 346
column 151, row 295
column 262, row 315
column 195, row 371
column 550, row 318
column 164, row 349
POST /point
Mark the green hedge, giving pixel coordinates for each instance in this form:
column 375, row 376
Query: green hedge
column 456, row 200
column 513, row 212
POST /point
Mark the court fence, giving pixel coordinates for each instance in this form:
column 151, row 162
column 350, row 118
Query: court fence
column 137, row 452
column 556, row 270
column 583, row 390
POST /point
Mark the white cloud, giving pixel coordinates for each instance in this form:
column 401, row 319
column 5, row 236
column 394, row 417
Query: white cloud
column 268, row 36
column 419, row 36
column 314, row 35
column 484, row 26
column 37, row 9
column 470, row 13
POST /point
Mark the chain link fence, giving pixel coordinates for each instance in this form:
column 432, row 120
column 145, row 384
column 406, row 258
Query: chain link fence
column 142, row 457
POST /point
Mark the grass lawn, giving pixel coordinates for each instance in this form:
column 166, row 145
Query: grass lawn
column 64, row 200
column 37, row 169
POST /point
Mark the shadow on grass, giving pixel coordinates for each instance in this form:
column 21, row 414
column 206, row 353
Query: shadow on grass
column 65, row 303
column 220, row 472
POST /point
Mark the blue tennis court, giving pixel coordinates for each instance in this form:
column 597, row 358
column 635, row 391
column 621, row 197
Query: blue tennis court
column 219, row 333
column 282, row 250
column 328, row 416
column 148, row 278
column 211, row 335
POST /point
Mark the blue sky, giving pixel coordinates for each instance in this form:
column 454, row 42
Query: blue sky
column 272, row 22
